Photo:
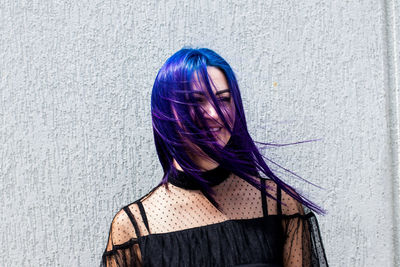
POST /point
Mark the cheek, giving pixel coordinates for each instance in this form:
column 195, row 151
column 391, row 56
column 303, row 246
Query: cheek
column 192, row 114
column 194, row 117
column 230, row 113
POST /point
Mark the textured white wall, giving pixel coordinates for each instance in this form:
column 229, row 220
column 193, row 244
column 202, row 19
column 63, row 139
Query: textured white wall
column 393, row 88
column 76, row 138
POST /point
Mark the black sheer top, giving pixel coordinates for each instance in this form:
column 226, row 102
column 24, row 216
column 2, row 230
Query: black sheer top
column 179, row 226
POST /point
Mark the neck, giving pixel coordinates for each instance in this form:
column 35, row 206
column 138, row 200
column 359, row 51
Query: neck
column 204, row 164
column 212, row 177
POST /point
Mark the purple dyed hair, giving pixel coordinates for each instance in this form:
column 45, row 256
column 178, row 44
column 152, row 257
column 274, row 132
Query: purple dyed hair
column 177, row 119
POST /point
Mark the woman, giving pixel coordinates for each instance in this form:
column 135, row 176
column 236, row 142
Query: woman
column 212, row 206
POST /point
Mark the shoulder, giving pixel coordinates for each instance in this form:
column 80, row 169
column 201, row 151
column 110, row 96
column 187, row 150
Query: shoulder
column 128, row 222
column 122, row 246
column 121, row 229
column 282, row 201
column 290, row 204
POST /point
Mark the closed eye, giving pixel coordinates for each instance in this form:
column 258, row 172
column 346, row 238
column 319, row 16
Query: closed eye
column 225, row 99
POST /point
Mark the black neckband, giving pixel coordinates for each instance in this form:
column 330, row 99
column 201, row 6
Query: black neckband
column 213, row 177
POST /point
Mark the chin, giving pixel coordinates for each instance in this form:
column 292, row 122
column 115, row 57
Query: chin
column 224, row 138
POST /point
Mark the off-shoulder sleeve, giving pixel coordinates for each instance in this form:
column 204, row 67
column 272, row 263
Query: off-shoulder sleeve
column 122, row 246
column 303, row 243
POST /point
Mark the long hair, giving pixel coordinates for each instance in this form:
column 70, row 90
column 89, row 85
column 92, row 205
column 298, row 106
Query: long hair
column 178, row 120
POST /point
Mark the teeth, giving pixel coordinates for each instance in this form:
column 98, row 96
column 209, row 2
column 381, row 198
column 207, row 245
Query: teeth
column 215, row 129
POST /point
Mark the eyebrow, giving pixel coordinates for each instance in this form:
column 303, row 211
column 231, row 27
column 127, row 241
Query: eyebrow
column 217, row 93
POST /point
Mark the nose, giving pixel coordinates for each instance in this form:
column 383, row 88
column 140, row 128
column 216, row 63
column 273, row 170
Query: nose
column 210, row 112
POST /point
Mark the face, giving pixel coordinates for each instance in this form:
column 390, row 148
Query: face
column 221, row 90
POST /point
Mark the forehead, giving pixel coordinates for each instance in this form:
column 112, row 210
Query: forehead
column 216, row 78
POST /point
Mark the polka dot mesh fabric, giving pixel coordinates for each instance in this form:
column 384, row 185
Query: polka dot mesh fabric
column 180, row 227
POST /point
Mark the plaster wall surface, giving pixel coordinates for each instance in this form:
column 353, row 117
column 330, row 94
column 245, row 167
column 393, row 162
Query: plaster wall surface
column 75, row 126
